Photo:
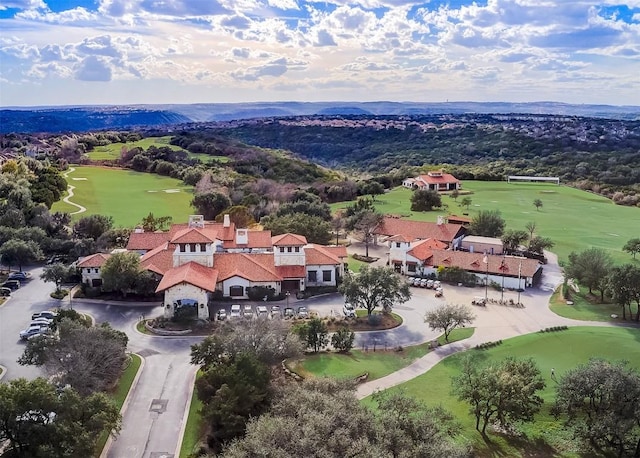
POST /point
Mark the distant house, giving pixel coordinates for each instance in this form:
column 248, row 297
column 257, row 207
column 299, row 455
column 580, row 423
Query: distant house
column 434, row 180
column 202, row 259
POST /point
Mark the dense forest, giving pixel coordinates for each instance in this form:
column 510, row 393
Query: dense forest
column 337, row 154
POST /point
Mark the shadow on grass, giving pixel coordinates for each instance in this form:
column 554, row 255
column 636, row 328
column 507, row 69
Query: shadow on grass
column 528, row 448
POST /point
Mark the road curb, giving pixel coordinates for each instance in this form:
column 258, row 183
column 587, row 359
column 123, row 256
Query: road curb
column 125, row 404
column 185, row 417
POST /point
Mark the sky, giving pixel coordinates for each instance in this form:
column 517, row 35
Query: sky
column 87, row 52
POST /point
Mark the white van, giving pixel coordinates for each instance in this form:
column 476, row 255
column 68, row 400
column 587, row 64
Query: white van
column 235, row 311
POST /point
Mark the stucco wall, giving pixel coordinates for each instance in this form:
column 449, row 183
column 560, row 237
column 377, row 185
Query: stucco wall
column 319, row 276
column 186, row 291
column 288, row 259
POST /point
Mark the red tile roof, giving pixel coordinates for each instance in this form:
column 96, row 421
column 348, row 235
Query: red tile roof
column 256, row 239
column 316, row 255
column 455, row 219
column 289, row 240
column 94, row 260
column 253, row 267
column 146, row 240
column 424, row 249
column 442, row 178
column 158, row 260
column 291, row 271
column 192, row 273
column 339, row 251
column 195, row 235
column 419, row 230
column 499, row 265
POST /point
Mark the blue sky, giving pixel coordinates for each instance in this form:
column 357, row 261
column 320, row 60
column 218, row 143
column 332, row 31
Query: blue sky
column 69, row 52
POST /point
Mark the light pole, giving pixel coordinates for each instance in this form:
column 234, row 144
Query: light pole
column 287, row 294
column 486, row 277
column 519, row 285
column 503, row 267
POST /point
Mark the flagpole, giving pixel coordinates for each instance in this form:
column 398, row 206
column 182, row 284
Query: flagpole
column 486, row 278
column 502, row 267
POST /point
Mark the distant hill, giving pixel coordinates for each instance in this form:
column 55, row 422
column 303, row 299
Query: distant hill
column 88, row 118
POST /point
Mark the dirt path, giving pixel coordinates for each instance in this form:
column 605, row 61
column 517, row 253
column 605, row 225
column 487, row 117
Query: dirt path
column 70, row 194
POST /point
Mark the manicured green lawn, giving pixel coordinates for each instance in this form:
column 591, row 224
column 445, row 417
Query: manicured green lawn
column 562, row 351
column 120, row 393
column 377, row 364
column 126, row 195
column 354, row 264
column 573, row 219
column 584, row 308
column 194, row 429
column 112, row 151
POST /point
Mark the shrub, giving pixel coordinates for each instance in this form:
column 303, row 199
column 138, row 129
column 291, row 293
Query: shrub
column 342, row 340
column 59, row 293
column 258, row 293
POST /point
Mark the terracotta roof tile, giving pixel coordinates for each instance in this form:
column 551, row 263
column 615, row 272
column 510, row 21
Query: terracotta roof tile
column 291, row 271
column 195, row 235
column 253, row 267
column 256, row 239
column 316, row 255
column 339, row 251
column 499, row 265
column 289, row 240
column 419, row 230
column 146, row 240
column 424, row 249
column 191, row 273
column 441, row 179
column 158, row 260
column 94, row 260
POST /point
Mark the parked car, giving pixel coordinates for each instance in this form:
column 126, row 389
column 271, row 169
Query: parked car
column 248, row 311
column 41, row 322
column 48, row 314
column 262, row 311
column 275, row 311
column 5, row 292
column 349, row 311
column 11, row 284
column 221, row 315
column 20, row 276
column 302, row 312
column 235, row 311
column 33, row 331
column 289, row 312
column 423, row 283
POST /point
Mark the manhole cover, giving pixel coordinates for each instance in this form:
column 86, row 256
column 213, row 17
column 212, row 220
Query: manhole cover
column 158, row 405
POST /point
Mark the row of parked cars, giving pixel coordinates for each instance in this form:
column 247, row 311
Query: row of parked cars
column 237, row 311
column 424, row 282
column 13, row 282
column 40, row 324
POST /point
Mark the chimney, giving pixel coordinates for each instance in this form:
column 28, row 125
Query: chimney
column 227, row 221
column 440, row 220
column 242, row 236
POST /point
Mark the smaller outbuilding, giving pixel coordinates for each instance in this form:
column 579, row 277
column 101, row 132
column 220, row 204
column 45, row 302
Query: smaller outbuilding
column 479, row 244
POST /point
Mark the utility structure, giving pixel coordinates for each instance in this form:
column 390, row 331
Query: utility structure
column 486, row 277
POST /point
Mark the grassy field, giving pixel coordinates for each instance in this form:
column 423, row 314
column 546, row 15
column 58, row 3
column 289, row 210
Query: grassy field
column 112, row 151
column 377, row 364
column 584, row 308
column 354, row 264
column 562, row 351
column 126, row 195
column 573, row 219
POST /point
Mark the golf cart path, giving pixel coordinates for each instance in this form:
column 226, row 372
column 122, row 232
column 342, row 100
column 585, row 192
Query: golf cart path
column 70, row 194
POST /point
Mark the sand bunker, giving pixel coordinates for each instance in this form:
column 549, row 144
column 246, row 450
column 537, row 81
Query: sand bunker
column 171, row 191
column 79, row 179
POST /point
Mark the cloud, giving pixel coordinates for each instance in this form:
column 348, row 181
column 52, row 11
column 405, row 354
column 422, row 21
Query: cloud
column 22, row 4
column 284, row 4
column 587, row 38
column 324, row 38
column 273, row 68
column 93, row 68
column 236, row 22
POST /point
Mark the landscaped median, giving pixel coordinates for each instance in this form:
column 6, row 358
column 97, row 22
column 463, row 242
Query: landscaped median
column 582, row 307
